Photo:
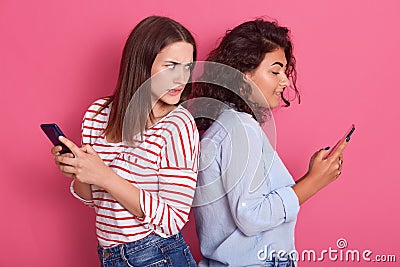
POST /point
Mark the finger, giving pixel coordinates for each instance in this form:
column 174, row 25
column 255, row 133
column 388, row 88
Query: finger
column 89, row 149
column 69, row 170
column 56, row 150
column 74, row 148
column 323, row 153
column 65, row 160
column 69, row 155
column 340, row 148
column 338, row 166
column 69, row 175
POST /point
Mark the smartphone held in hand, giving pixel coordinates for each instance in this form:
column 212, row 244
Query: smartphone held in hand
column 345, row 138
column 53, row 132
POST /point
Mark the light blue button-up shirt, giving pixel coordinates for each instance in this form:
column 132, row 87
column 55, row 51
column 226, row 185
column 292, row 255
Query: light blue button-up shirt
column 245, row 207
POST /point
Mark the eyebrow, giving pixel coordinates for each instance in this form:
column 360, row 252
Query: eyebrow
column 277, row 63
column 172, row 62
column 177, row 63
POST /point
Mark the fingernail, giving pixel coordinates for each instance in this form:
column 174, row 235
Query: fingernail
column 327, row 148
column 348, row 139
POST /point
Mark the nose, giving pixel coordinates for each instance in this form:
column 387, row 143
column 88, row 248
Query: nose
column 284, row 82
column 181, row 75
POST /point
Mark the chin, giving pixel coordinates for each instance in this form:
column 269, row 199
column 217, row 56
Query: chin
column 271, row 105
column 171, row 101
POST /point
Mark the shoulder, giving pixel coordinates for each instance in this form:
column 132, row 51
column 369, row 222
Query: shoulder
column 181, row 117
column 96, row 106
column 230, row 119
column 93, row 116
column 231, row 123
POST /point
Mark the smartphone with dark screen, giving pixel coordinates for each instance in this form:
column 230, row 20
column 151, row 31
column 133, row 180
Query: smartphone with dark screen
column 345, row 138
column 53, row 132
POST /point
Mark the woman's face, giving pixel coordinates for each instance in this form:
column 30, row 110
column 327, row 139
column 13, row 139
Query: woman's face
column 170, row 72
column 270, row 78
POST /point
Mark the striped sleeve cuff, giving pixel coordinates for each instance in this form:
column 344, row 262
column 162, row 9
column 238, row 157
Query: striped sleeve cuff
column 290, row 203
column 89, row 203
column 166, row 218
column 146, row 204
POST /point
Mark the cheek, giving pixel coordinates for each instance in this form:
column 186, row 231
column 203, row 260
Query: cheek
column 268, row 86
column 162, row 80
column 187, row 76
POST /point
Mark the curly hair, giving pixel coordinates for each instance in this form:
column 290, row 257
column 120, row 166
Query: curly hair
column 243, row 48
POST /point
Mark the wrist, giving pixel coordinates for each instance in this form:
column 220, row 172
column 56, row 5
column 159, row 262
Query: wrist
column 109, row 178
column 306, row 187
column 315, row 180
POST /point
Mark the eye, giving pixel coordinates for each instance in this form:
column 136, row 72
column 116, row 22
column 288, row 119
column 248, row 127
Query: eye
column 275, row 73
column 189, row 66
column 170, row 66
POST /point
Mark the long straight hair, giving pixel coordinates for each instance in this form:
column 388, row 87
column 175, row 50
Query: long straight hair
column 145, row 41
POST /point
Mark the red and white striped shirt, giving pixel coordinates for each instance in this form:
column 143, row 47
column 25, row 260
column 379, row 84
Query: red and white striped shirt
column 164, row 167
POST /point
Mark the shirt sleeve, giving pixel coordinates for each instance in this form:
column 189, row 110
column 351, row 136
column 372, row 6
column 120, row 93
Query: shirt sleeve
column 168, row 210
column 90, row 132
column 255, row 207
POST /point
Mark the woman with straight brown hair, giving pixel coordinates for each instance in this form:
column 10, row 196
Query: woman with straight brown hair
column 139, row 160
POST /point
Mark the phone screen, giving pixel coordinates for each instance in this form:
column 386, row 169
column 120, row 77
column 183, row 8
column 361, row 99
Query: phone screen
column 53, row 132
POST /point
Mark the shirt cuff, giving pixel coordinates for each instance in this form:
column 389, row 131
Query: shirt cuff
column 290, row 203
column 144, row 197
column 89, row 203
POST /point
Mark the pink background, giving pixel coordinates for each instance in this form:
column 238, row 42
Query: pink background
column 56, row 57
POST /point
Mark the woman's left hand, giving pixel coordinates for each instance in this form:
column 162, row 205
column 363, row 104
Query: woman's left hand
column 87, row 167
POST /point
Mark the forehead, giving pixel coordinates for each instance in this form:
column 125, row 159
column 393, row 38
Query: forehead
column 278, row 55
column 180, row 52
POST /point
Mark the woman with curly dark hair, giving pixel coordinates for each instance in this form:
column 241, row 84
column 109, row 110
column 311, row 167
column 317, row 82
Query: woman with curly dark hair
column 246, row 201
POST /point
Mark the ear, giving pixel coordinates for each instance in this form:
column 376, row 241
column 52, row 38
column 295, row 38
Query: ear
column 247, row 76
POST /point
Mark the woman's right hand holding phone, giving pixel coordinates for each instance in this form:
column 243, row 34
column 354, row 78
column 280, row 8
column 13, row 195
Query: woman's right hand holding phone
column 322, row 171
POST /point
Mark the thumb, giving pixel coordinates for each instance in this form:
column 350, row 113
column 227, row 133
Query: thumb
column 323, row 152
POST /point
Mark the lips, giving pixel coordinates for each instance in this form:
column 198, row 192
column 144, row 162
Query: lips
column 175, row 91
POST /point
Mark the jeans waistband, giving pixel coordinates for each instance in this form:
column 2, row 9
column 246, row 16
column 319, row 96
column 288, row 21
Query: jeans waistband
column 145, row 242
column 276, row 261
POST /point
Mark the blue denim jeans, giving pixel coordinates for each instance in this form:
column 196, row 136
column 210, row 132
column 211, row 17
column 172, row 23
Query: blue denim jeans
column 275, row 262
column 150, row 251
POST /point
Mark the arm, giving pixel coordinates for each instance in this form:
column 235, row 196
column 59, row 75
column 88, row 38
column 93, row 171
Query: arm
column 91, row 129
column 84, row 191
column 255, row 207
column 88, row 168
column 169, row 208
